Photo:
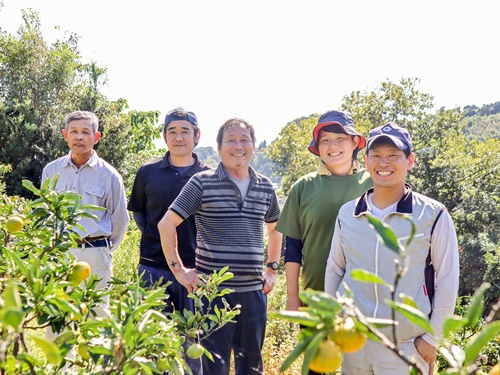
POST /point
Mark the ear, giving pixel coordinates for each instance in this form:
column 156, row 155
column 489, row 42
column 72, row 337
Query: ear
column 411, row 161
column 355, row 142
column 97, row 136
column 197, row 136
column 65, row 134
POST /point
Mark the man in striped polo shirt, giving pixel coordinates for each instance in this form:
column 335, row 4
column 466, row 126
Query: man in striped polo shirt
column 230, row 205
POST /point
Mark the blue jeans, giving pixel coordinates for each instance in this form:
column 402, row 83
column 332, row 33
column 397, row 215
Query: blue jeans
column 177, row 298
column 245, row 337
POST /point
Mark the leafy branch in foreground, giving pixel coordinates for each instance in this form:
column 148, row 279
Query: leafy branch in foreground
column 323, row 314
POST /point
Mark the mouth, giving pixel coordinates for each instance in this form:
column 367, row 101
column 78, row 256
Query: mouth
column 334, row 154
column 384, row 173
column 238, row 155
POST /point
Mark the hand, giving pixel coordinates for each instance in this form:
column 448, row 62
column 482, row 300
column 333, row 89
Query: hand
column 293, row 302
column 188, row 278
column 426, row 351
column 269, row 278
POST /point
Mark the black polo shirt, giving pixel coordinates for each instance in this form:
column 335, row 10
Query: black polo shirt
column 156, row 186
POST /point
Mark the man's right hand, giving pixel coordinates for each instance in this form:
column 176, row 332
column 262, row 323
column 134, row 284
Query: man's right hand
column 293, row 303
column 188, row 278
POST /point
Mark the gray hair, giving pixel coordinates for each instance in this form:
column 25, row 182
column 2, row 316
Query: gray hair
column 82, row 115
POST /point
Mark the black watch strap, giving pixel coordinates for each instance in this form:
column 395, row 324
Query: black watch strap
column 273, row 265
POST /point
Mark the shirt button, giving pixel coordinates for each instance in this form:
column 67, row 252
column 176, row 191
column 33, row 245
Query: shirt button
column 238, row 195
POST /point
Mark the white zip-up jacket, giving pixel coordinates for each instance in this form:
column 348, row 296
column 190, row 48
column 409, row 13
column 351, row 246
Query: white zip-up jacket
column 355, row 245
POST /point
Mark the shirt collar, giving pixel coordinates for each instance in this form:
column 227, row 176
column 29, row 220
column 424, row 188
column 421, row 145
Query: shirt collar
column 405, row 205
column 222, row 173
column 166, row 162
column 92, row 162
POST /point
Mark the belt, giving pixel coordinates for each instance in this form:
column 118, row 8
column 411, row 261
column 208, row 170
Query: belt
column 93, row 242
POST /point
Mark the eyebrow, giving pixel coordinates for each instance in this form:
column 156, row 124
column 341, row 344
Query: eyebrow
column 182, row 127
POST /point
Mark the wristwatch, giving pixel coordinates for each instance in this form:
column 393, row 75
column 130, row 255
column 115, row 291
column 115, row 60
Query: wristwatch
column 273, row 265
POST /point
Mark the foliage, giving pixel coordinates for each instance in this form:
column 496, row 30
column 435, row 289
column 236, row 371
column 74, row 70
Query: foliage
column 39, row 84
column 289, row 151
column 136, row 336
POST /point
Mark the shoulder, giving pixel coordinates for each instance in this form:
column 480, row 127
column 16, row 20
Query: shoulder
column 423, row 200
column 306, row 179
column 153, row 163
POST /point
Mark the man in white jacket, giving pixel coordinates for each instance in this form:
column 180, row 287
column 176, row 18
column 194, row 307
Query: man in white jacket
column 389, row 157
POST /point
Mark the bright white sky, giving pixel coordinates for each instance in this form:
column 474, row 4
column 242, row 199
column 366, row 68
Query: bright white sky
column 271, row 61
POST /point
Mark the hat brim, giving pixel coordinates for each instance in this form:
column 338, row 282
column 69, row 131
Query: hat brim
column 349, row 130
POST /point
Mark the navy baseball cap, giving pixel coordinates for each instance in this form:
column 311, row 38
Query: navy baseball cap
column 396, row 134
column 180, row 114
column 345, row 124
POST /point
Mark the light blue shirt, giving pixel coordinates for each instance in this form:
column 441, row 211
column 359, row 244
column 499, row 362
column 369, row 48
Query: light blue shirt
column 99, row 184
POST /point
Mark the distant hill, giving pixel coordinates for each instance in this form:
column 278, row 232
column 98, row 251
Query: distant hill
column 482, row 122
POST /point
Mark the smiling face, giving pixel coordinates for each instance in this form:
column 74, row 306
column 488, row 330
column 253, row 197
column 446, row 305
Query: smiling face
column 336, row 150
column 181, row 138
column 81, row 138
column 236, row 150
column 388, row 166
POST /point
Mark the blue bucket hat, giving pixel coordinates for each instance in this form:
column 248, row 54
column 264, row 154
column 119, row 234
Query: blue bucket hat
column 180, row 114
column 345, row 123
column 396, row 134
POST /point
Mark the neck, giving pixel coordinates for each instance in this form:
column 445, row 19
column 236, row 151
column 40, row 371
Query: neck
column 340, row 170
column 80, row 159
column 181, row 161
column 383, row 197
column 240, row 173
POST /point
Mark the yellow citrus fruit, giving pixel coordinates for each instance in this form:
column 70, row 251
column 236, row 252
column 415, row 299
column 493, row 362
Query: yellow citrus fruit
column 80, row 271
column 83, row 308
column 347, row 337
column 195, row 351
column 328, row 357
column 495, row 370
column 14, row 224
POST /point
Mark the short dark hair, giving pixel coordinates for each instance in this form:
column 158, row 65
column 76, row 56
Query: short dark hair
column 386, row 141
column 235, row 121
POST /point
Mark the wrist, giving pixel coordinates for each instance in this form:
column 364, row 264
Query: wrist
column 274, row 266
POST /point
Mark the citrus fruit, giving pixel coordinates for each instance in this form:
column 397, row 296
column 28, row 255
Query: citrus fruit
column 14, row 224
column 80, row 271
column 328, row 357
column 195, row 351
column 495, row 370
column 347, row 337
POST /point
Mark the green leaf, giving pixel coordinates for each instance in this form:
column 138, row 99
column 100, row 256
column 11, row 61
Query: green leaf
column 51, row 350
column 414, row 315
column 480, row 340
column 364, row 276
column 408, row 300
column 453, row 323
column 11, row 296
column 319, row 300
column 384, row 233
column 301, row 317
column 311, row 350
column 475, row 308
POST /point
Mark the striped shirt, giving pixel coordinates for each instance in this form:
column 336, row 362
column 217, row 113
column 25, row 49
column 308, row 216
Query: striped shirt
column 230, row 230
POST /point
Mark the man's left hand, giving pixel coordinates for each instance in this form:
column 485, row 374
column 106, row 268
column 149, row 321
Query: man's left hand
column 426, row 351
column 269, row 278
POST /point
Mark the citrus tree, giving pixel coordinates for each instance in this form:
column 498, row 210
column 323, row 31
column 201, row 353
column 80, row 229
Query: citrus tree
column 43, row 287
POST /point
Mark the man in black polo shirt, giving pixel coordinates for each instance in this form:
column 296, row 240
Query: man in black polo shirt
column 157, row 184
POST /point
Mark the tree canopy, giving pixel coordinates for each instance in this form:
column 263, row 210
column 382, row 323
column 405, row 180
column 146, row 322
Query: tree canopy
column 39, row 84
